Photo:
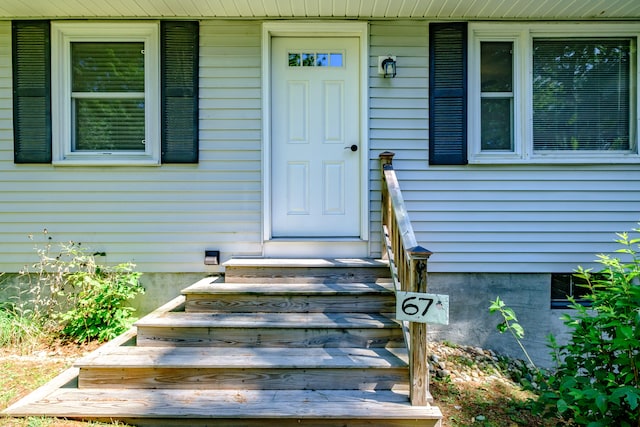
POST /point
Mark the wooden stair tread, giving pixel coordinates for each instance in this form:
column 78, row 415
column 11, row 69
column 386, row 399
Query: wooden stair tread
column 225, row 404
column 207, row 286
column 294, row 270
column 306, row 262
column 249, row 358
column 270, row 320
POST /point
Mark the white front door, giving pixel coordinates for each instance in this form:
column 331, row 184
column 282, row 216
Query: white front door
column 315, row 153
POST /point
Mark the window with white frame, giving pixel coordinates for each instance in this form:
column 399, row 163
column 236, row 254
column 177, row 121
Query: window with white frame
column 496, row 96
column 547, row 93
column 105, row 85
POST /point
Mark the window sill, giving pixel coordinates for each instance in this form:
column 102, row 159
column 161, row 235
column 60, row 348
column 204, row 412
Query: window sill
column 558, row 160
column 106, row 163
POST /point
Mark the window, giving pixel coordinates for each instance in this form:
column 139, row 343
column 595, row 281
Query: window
column 496, row 96
column 298, row 59
column 565, row 285
column 101, row 93
column 581, row 95
column 104, row 87
column 542, row 93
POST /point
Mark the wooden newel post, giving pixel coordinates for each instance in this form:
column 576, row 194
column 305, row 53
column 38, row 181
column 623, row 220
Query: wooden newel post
column 386, row 160
column 418, row 355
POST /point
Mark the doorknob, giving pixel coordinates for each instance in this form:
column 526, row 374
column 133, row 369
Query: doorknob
column 353, row 147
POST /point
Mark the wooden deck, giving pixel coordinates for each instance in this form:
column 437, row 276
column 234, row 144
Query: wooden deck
column 316, row 345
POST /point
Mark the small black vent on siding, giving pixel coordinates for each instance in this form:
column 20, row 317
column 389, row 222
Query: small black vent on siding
column 179, row 74
column 31, row 91
column 448, row 94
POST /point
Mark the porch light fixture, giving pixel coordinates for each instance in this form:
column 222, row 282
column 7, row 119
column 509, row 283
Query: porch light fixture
column 387, row 66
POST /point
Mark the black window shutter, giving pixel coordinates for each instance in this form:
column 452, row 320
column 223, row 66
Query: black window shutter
column 31, row 91
column 448, row 94
column 179, row 82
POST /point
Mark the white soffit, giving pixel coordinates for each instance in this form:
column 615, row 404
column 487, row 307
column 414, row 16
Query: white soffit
column 312, row 9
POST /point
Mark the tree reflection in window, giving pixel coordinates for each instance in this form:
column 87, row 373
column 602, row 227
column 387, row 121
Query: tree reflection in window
column 108, row 96
column 581, row 94
column 315, row 59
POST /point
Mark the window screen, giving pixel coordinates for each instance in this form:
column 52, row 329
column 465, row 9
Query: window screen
column 581, row 95
column 108, row 109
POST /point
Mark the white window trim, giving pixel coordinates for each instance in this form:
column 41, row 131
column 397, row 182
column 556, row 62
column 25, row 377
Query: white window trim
column 522, row 35
column 62, row 35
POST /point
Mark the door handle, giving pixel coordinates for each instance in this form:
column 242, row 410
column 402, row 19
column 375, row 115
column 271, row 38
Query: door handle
column 353, row 147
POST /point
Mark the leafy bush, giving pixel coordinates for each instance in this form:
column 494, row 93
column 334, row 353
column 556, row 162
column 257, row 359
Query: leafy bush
column 88, row 300
column 597, row 382
column 597, row 379
column 99, row 295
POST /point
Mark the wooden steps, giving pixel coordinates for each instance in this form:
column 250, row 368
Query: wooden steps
column 334, row 271
column 353, row 297
column 278, row 342
column 230, row 408
column 246, row 368
column 270, row 330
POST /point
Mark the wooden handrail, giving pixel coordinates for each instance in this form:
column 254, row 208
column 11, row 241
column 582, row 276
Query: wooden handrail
column 408, row 263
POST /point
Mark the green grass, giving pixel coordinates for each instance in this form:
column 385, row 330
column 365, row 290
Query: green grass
column 22, row 334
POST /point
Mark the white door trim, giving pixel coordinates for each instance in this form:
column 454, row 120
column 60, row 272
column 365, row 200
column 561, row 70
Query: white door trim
column 307, row 29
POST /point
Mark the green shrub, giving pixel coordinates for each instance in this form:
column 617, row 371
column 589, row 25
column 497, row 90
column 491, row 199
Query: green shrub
column 597, row 382
column 99, row 294
column 86, row 299
column 597, row 378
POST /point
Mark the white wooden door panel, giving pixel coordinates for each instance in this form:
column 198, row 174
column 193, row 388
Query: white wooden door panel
column 315, row 120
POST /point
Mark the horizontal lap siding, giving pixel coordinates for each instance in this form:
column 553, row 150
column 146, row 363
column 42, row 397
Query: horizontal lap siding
column 474, row 218
column 162, row 218
column 398, row 107
column 520, row 218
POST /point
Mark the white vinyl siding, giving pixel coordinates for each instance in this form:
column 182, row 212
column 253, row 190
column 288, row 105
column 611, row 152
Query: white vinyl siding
column 488, row 218
column 475, row 218
column 162, row 218
column 521, row 219
column 398, row 107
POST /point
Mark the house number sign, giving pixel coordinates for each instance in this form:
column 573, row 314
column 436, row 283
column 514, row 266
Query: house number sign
column 422, row 308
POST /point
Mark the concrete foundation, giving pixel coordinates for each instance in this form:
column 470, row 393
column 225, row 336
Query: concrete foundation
column 470, row 296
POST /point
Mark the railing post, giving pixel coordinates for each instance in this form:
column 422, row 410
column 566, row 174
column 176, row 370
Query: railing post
column 418, row 363
column 386, row 160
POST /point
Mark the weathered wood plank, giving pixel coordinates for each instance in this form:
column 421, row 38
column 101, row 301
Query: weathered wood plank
column 271, row 270
column 303, row 274
column 246, row 368
column 289, row 422
column 269, row 337
column 381, row 286
column 270, row 320
column 248, row 303
column 290, row 297
column 306, row 262
column 250, row 378
column 228, row 404
column 221, row 358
